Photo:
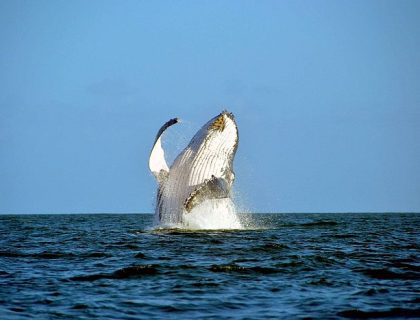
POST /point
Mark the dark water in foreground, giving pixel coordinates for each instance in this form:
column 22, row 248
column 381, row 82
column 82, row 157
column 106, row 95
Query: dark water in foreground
column 294, row 266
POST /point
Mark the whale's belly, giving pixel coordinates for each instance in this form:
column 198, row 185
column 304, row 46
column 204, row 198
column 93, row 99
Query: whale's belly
column 189, row 170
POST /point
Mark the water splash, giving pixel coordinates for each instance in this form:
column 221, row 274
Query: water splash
column 213, row 214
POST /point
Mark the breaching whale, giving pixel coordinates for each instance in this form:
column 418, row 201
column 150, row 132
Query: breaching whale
column 202, row 172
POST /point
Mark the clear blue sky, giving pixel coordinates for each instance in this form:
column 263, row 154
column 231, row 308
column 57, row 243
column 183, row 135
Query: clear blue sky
column 326, row 96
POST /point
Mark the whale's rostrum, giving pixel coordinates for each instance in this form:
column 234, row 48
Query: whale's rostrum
column 202, row 172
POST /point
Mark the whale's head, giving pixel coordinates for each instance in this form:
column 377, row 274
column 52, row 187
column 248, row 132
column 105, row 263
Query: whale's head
column 219, row 136
column 213, row 149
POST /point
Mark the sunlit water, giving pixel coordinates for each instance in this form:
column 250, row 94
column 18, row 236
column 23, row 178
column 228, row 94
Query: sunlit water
column 278, row 266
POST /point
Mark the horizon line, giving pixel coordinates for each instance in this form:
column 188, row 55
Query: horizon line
column 151, row 213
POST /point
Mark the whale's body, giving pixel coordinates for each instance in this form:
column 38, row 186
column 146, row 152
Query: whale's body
column 202, row 172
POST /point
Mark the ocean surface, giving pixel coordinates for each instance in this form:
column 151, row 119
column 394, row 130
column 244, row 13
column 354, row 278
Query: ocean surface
column 112, row 266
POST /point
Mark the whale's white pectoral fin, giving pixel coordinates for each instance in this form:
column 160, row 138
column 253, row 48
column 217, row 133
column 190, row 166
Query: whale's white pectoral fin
column 157, row 162
column 214, row 188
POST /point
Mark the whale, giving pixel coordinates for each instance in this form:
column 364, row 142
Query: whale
column 202, row 173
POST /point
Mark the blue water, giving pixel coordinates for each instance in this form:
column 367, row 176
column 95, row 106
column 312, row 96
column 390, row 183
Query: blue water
column 286, row 266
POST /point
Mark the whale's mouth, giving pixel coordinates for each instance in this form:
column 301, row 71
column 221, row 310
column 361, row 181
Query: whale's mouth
column 219, row 123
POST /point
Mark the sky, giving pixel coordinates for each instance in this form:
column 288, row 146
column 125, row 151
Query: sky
column 326, row 95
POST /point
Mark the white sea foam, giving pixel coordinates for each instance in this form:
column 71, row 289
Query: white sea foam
column 213, row 214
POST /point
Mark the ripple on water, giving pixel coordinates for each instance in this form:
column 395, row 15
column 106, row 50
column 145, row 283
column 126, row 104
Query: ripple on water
column 124, row 273
column 390, row 313
column 241, row 269
column 298, row 265
column 386, row 274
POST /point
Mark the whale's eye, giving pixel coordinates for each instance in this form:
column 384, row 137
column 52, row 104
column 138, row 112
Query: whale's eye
column 218, row 124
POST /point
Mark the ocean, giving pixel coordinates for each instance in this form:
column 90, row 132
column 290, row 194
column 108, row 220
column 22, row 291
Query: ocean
column 281, row 266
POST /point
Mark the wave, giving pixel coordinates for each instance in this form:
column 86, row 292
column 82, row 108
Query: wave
column 386, row 274
column 240, row 269
column 391, row 313
column 405, row 266
column 268, row 247
column 320, row 224
column 52, row 255
column 124, row 273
